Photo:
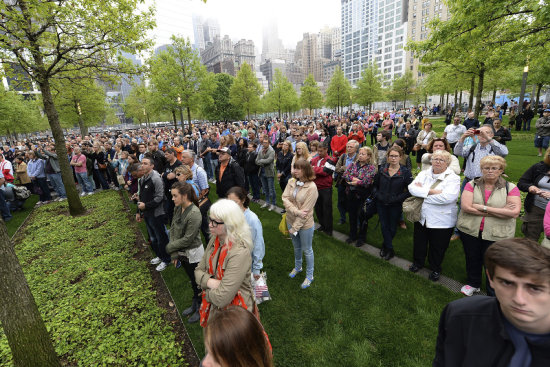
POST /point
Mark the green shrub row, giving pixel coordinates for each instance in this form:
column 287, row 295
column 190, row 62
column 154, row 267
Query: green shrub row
column 97, row 300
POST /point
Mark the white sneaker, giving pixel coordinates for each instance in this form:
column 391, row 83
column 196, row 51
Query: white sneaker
column 271, row 207
column 82, row 193
column 468, row 290
column 265, row 205
column 155, row 261
column 161, row 266
column 90, row 193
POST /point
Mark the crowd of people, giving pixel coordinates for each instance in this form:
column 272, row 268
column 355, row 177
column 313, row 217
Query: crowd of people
column 167, row 174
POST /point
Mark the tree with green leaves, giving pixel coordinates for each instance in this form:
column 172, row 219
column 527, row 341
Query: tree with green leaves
column 403, row 87
column 80, row 102
column 139, row 104
column 282, row 96
column 338, row 93
column 310, row 94
column 179, row 79
column 19, row 115
column 369, row 88
column 56, row 39
column 221, row 108
column 245, row 91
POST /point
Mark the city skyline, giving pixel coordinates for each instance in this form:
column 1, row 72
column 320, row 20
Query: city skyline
column 245, row 19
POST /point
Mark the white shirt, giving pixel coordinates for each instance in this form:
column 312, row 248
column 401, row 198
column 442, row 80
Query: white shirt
column 438, row 211
column 454, row 132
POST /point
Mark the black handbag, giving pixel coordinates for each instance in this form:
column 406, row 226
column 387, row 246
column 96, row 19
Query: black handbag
column 369, row 206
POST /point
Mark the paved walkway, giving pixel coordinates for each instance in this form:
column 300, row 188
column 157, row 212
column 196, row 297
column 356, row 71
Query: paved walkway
column 447, row 282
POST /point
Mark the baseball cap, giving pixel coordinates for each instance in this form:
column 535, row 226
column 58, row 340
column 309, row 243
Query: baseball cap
column 547, row 110
column 224, row 150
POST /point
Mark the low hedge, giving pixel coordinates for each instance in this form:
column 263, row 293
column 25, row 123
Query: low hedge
column 96, row 299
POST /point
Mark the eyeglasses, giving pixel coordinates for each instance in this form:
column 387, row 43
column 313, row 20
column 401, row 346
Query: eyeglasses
column 394, row 156
column 437, row 160
column 214, row 223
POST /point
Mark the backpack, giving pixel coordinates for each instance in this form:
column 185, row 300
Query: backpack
column 21, row 192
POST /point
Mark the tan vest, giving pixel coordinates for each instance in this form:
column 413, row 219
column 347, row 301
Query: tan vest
column 494, row 229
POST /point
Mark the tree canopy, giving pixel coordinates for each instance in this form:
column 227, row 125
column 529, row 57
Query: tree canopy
column 245, row 91
column 282, row 96
column 310, row 94
column 338, row 93
column 369, row 88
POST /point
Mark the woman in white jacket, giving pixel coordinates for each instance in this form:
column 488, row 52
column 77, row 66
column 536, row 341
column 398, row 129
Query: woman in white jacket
column 439, row 212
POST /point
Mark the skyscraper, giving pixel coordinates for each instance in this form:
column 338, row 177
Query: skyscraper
column 272, row 46
column 373, row 30
column 204, row 31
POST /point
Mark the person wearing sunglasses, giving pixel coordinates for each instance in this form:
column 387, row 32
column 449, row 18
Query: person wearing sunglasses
column 224, row 271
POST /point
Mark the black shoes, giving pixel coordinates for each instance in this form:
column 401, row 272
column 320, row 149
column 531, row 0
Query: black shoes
column 350, row 240
column 434, row 276
column 383, row 252
column 321, row 229
column 414, row 268
column 389, row 254
column 359, row 243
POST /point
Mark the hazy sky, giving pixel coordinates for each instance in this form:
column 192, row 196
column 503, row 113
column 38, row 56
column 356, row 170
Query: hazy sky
column 246, row 18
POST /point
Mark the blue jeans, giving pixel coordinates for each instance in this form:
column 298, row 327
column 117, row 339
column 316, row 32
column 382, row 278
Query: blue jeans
column 208, row 168
column 389, row 217
column 303, row 241
column 268, row 183
column 57, row 183
column 157, row 235
column 84, row 181
column 254, row 181
column 4, row 208
column 526, row 125
column 213, row 165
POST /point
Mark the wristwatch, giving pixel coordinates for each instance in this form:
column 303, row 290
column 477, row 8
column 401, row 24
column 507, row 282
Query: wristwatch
column 485, row 209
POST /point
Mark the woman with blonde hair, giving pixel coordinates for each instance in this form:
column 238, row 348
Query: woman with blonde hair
column 359, row 177
column 299, row 198
column 301, row 152
column 489, row 208
column 224, row 271
column 184, row 174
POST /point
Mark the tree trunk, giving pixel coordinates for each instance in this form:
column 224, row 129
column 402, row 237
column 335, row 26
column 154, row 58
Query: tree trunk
column 536, row 106
column 175, row 120
column 460, row 101
column 472, row 90
column 479, row 90
column 75, row 205
column 444, row 108
column 454, row 108
column 27, row 336
column 493, row 100
column 188, row 116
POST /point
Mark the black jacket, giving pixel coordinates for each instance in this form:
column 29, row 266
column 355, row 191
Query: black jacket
column 283, row 164
column 232, row 176
column 250, row 167
column 392, row 190
column 472, row 333
column 158, row 159
column 530, row 178
column 503, row 135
